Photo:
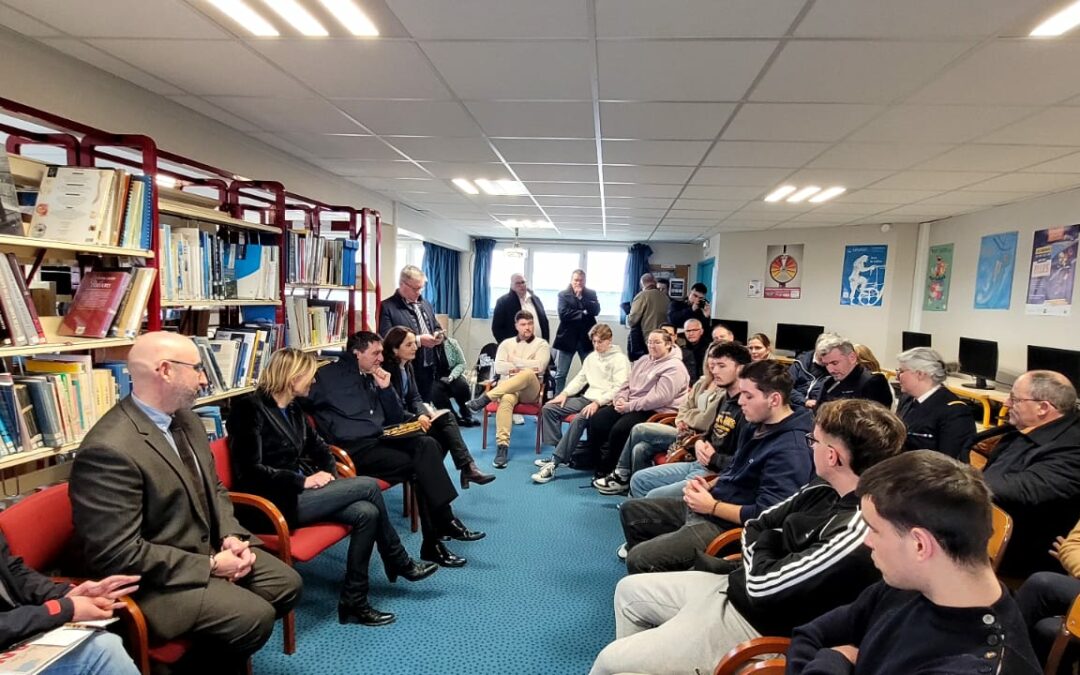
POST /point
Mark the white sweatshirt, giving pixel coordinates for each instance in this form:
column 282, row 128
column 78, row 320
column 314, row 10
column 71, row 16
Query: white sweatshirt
column 604, row 373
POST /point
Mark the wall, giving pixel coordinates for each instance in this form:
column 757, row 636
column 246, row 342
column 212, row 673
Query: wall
column 740, row 257
column 1011, row 328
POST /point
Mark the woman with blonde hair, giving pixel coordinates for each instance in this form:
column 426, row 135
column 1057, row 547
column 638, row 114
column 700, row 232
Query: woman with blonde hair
column 277, row 455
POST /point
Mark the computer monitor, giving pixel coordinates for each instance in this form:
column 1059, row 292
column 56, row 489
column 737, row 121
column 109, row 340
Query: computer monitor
column 740, row 329
column 1064, row 361
column 979, row 358
column 797, row 337
column 911, row 340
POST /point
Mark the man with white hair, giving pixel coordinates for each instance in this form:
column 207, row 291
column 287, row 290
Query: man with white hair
column 846, row 378
column 519, row 298
column 936, row 418
column 407, row 307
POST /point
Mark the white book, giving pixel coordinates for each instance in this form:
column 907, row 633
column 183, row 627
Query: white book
column 72, row 204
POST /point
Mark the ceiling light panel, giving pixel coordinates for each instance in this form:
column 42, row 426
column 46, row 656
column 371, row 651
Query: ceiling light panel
column 528, row 224
column 826, row 195
column 779, row 193
column 466, row 186
column 489, row 187
column 1060, row 23
column 249, row 19
column 352, row 17
column 804, row 193
column 298, row 17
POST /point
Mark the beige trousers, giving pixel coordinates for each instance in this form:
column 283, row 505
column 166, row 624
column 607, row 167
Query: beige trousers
column 522, row 387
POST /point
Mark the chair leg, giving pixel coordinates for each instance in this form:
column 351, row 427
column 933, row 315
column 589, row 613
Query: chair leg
column 484, row 431
column 414, row 506
column 538, row 434
column 406, row 488
column 288, row 631
column 250, row 667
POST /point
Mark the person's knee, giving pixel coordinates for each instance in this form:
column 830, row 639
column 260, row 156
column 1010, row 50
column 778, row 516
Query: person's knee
column 1040, row 585
column 362, row 515
column 249, row 630
column 104, row 654
column 639, row 560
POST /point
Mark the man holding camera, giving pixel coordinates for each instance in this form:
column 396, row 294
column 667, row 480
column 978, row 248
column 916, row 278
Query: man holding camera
column 407, row 307
column 695, row 306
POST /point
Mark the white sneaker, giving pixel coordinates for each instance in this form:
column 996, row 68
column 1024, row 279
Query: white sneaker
column 546, row 473
column 519, row 419
column 621, row 551
column 542, row 461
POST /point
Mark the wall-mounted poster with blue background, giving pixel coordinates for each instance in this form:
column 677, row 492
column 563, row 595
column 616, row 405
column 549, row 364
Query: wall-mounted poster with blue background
column 1053, row 268
column 994, row 277
column 863, row 282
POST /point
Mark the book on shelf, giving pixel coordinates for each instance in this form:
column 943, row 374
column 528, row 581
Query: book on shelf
column 10, row 213
column 20, row 325
column 94, row 206
column 320, row 260
column 212, row 421
column 96, row 304
column 221, row 265
column 312, row 322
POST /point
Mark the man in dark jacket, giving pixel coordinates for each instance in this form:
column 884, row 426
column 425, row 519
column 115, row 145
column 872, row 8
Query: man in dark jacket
column 846, row 378
column 936, row 418
column 771, row 463
column 519, row 298
column 407, row 307
column 695, row 306
column 801, row 558
column 32, row 603
column 805, row 371
column 578, row 309
column 694, row 349
column 1034, row 470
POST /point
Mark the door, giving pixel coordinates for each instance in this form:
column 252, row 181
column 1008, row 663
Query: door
column 705, row 270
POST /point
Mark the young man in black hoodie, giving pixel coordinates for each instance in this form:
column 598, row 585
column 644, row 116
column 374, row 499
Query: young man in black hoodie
column 801, row 558
column 940, row 608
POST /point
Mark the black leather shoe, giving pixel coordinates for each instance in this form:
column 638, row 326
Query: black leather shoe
column 472, row 473
column 413, row 571
column 457, row 530
column 468, row 422
column 363, row 614
column 437, row 552
column 477, row 404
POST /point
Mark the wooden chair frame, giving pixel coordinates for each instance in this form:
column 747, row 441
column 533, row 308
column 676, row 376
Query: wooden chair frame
column 742, row 658
column 1069, row 631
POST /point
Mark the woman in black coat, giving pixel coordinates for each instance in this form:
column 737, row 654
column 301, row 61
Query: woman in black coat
column 277, row 455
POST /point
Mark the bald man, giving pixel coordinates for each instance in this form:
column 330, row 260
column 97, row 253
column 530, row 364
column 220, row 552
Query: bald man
column 146, row 500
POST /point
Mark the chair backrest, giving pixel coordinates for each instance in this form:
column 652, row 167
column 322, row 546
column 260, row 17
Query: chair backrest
column 1069, row 631
column 220, row 450
column 485, row 365
column 999, row 538
column 38, row 528
column 743, row 657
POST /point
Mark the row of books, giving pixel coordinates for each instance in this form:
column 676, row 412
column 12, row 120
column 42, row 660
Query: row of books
column 19, row 321
column 222, row 265
column 94, row 206
column 312, row 322
column 109, row 302
column 236, row 356
column 318, row 260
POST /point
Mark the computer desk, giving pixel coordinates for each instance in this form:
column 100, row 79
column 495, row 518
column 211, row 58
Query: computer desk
column 983, row 396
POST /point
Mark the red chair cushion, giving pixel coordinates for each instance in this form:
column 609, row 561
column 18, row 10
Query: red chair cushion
column 220, row 450
column 169, row 652
column 383, row 485
column 570, row 418
column 308, row 542
column 38, row 527
column 519, row 409
column 660, row 458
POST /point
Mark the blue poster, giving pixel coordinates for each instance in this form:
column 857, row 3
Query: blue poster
column 863, row 283
column 994, row 276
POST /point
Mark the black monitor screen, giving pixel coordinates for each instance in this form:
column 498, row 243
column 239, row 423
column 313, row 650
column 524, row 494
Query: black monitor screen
column 797, row 337
column 979, row 357
column 740, row 329
column 1064, row 361
column 911, row 340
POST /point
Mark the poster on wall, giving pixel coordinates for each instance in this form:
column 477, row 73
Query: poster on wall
column 755, row 288
column 1053, row 269
column 994, row 275
column 863, row 280
column 938, row 275
column 783, row 271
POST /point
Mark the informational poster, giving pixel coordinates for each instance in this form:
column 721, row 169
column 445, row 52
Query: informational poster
column 783, row 271
column 938, row 275
column 863, row 280
column 755, row 288
column 994, row 275
column 1053, row 269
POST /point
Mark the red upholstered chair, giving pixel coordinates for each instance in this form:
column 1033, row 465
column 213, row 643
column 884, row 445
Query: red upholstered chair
column 525, row 409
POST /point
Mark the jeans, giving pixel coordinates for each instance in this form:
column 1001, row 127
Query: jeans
column 100, row 654
column 356, row 502
column 663, row 480
column 563, row 361
column 646, row 439
column 1043, row 600
column 552, row 420
column 662, row 535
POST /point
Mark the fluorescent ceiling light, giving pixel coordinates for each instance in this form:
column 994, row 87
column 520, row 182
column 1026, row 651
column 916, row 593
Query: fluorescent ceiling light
column 827, row 194
column 512, row 187
column 465, row 186
column 249, row 20
column 803, row 194
column 528, row 224
column 350, row 16
column 299, row 17
column 1060, row 23
column 488, row 186
column 779, row 193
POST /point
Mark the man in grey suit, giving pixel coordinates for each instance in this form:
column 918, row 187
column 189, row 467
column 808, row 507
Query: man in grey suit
column 146, row 500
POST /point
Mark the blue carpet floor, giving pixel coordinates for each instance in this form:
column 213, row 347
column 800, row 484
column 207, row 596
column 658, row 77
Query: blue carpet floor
column 534, row 598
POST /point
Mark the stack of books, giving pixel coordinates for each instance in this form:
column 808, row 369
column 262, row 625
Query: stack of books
column 317, row 260
column 101, row 207
column 313, row 322
column 224, row 265
column 236, row 356
column 109, row 302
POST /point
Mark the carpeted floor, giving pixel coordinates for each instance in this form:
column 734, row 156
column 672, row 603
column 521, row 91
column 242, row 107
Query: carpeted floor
column 534, row 598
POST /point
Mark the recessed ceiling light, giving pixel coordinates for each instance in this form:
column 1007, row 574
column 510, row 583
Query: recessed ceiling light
column 779, row 193
column 826, row 195
column 300, row 18
column 1060, row 23
column 512, row 187
column 488, row 186
column 528, row 224
column 803, row 194
column 351, row 16
column 465, row 186
column 249, row 19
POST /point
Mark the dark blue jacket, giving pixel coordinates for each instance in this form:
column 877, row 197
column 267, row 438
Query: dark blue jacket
column 396, row 312
column 804, row 373
column 348, row 406
column 576, row 317
column 768, row 469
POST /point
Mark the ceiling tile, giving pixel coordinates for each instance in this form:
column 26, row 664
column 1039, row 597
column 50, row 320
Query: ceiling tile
column 721, row 192
column 564, row 189
column 577, row 173
column 24, row 25
column 992, row 158
column 876, row 155
column 853, row 72
column 798, row 121
column 411, row 118
column 695, row 18
column 535, row 119
column 1035, row 182
column 547, row 151
column 373, row 169
column 110, row 64
column 661, row 175
column 639, row 202
column 214, row 112
column 277, row 141
column 117, row 18
column 514, row 70
column 841, row 209
column 1053, row 126
column 888, row 197
column 281, row 114
column 662, row 121
column 917, row 19
column 938, row 181
column 1067, row 164
column 763, row 153
column 472, row 170
column 852, row 179
column 569, row 201
column 488, row 19
column 684, row 204
column 402, row 70
column 707, row 71
column 974, row 198
column 937, row 124
column 675, row 153
column 744, row 177
column 445, row 149
column 328, row 146
column 641, row 190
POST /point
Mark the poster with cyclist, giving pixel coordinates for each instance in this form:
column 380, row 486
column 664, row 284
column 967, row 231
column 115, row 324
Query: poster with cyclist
column 863, row 280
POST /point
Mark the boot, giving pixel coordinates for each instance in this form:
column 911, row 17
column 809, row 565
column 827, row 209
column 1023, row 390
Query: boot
column 472, row 473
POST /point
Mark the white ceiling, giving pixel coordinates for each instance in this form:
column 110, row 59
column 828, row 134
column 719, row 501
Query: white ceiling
column 630, row 119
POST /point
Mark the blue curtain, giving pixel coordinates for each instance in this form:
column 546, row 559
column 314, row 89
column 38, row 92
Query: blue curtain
column 441, row 270
column 637, row 263
column 481, row 285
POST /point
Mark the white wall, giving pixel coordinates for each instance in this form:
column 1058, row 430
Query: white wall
column 740, row 257
column 1011, row 328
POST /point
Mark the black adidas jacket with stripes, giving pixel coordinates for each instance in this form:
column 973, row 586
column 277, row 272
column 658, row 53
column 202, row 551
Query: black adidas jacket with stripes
column 801, row 558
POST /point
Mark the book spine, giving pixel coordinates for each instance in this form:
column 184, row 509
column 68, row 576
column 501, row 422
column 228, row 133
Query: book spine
column 24, row 304
column 8, row 305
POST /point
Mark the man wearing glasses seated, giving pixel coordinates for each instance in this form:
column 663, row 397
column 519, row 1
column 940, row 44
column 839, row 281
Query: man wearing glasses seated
column 1034, row 470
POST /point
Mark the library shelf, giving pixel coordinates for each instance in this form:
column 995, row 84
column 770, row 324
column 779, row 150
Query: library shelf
column 206, row 304
column 17, row 458
column 16, row 243
column 61, row 343
column 336, row 344
column 329, row 287
column 207, row 215
column 222, row 395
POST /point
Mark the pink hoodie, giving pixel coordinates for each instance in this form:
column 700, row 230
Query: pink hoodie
column 659, row 385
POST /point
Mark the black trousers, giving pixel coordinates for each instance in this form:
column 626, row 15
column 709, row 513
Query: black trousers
column 608, row 433
column 425, row 377
column 420, row 458
column 457, row 389
column 662, row 535
column 1044, row 599
column 445, row 430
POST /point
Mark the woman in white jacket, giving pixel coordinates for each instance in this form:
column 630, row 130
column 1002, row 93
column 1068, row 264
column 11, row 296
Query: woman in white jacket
column 604, row 372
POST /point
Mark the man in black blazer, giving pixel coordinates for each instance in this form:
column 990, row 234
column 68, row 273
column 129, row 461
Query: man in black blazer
column 936, row 418
column 578, row 309
column 146, row 500
column 407, row 307
column 519, row 298
column 846, row 378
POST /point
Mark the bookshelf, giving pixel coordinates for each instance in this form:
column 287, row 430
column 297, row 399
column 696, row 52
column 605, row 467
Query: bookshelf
column 222, row 395
column 336, row 344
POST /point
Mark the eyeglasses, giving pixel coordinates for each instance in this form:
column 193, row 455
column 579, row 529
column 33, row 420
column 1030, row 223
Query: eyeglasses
column 197, row 367
column 1015, row 399
column 811, row 440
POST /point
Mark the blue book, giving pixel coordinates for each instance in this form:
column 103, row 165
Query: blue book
column 248, row 266
column 120, row 374
column 147, row 214
column 213, row 414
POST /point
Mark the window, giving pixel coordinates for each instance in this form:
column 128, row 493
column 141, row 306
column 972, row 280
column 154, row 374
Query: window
column 548, row 269
column 502, row 268
column 551, row 272
column 410, row 252
column 604, row 272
